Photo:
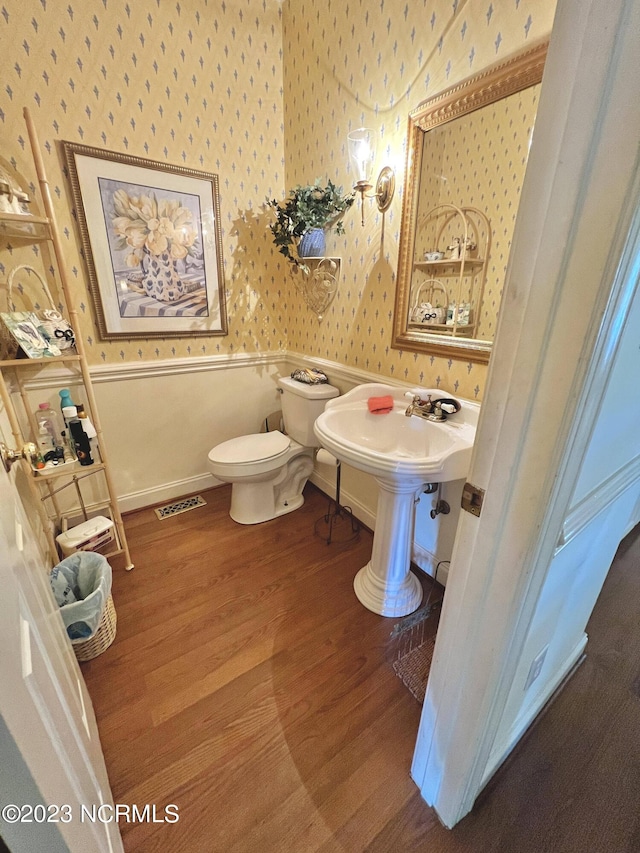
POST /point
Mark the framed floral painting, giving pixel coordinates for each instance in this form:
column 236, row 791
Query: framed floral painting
column 152, row 242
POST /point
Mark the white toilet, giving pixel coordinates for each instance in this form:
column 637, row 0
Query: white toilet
column 268, row 471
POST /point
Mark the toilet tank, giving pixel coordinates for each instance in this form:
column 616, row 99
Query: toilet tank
column 301, row 405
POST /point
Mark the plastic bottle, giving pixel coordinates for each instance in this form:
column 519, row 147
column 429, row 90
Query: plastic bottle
column 65, row 399
column 45, row 439
column 79, row 437
column 69, row 413
column 45, row 414
column 69, row 450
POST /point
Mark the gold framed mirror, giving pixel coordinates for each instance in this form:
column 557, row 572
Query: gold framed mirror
column 466, row 157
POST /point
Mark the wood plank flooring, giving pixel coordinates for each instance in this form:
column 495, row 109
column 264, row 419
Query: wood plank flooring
column 248, row 686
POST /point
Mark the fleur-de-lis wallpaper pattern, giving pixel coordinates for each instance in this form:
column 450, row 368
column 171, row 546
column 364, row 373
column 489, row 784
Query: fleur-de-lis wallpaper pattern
column 263, row 93
column 355, row 64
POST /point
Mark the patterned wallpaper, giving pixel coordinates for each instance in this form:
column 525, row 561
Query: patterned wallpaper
column 359, row 63
column 195, row 83
column 241, row 88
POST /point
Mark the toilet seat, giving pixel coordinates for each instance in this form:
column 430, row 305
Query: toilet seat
column 250, row 448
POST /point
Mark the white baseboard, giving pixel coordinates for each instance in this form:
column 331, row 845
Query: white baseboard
column 166, row 492
column 202, row 482
column 428, row 562
column 346, row 499
column 527, row 715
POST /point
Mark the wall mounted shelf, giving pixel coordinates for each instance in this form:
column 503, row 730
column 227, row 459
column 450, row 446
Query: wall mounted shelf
column 318, row 283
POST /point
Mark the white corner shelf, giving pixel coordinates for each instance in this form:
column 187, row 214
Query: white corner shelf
column 453, row 280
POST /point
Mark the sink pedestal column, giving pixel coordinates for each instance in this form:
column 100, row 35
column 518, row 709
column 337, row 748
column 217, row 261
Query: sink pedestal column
column 385, row 585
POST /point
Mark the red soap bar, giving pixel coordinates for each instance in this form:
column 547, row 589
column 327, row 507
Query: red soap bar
column 380, row 405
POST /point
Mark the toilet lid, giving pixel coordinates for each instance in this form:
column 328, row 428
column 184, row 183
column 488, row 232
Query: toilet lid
column 250, row 448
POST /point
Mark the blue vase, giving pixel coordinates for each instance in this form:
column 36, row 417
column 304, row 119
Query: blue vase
column 312, row 244
column 161, row 280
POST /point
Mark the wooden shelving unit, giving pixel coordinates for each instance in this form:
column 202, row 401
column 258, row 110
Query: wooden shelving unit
column 45, row 486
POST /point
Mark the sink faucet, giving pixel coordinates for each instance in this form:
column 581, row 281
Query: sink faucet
column 431, row 410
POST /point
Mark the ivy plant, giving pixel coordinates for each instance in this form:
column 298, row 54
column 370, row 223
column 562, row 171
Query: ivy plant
column 306, row 207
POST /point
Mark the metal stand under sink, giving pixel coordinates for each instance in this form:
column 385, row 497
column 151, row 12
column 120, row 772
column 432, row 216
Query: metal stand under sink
column 338, row 519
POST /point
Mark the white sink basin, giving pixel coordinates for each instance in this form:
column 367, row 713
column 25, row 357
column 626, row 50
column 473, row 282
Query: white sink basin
column 403, row 454
column 392, row 446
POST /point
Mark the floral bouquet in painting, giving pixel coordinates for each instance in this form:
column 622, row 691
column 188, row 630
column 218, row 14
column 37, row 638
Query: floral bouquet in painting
column 158, row 233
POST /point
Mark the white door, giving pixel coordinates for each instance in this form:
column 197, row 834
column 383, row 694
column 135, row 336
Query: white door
column 51, row 761
column 517, row 600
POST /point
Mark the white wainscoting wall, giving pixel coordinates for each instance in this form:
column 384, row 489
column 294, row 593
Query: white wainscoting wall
column 161, row 419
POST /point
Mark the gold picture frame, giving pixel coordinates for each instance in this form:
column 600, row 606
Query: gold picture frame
column 152, row 243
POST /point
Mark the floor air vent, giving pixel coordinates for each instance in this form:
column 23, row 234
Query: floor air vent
column 179, row 506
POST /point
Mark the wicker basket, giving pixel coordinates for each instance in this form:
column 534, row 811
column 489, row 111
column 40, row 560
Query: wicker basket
column 102, row 639
column 55, row 326
column 430, row 291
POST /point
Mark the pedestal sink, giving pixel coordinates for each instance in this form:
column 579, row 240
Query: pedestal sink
column 403, row 454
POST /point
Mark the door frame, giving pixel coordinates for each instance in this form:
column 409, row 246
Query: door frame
column 572, row 274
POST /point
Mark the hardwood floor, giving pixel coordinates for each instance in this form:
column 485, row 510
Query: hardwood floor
column 248, row 686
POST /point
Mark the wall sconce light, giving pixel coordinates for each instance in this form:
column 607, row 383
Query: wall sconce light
column 362, row 153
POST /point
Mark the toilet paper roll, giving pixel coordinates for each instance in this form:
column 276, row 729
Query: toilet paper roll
column 326, row 458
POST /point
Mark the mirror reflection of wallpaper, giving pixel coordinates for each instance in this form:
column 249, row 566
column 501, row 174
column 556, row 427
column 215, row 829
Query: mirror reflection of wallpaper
column 354, row 64
column 479, row 160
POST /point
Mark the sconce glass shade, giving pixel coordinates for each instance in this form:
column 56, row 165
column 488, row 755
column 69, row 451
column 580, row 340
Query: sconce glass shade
column 362, row 153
